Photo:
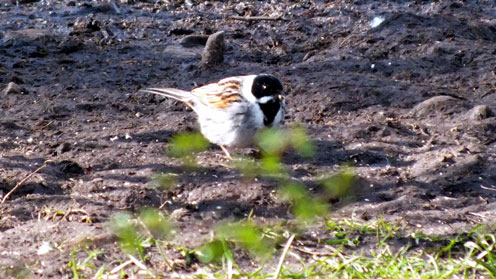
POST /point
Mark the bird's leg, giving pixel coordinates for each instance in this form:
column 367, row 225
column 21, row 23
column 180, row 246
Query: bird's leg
column 226, row 151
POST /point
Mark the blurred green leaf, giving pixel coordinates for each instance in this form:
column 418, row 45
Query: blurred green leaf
column 304, row 207
column 124, row 227
column 248, row 236
column 271, row 141
column 248, row 167
column 301, row 142
column 274, row 141
column 268, row 165
column 210, row 252
column 308, row 209
column 339, row 185
column 165, row 181
column 187, row 144
column 293, row 192
column 155, row 223
column 271, row 164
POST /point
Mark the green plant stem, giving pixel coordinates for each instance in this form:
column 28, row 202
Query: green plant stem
column 283, row 256
column 161, row 251
column 157, row 243
column 99, row 273
column 74, row 266
column 229, row 258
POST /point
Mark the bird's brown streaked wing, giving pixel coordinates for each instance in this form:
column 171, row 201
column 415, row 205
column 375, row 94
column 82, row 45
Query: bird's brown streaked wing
column 221, row 94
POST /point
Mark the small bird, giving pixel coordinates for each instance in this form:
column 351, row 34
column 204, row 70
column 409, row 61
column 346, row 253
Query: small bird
column 233, row 109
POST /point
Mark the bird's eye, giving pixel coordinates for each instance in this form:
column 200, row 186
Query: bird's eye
column 264, row 86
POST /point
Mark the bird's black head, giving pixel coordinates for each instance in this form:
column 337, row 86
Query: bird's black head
column 266, row 85
column 268, row 91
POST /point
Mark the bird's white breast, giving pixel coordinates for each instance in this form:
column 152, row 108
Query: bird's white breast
column 233, row 127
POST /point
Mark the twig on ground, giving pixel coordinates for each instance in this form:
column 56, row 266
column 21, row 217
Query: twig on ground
column 75, row 211
column 137, row 262
column 487, row 188
column 20, row 183
column 492, row 90
column 283, row 256
column 120, row 267
column 256, row 18
column 44, row 126
column 319, row 254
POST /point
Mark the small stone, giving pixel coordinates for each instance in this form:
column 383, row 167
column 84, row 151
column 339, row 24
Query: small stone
column 86, row 24
column 213, row 54
column 179, row 214
column 194, row 40
column 438, row 105
column 28, row 37
column 13, row 88
column 70, row 168
column 64, row 147
column 45, row 248
column 480, row 112
column 69, row 45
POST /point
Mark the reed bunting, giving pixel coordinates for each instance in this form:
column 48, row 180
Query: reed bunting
column 233, row 109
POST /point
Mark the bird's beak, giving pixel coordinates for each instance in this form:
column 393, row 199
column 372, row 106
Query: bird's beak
column 280, row 97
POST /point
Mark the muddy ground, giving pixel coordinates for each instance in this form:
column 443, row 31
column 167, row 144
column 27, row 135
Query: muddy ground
column 410, row 103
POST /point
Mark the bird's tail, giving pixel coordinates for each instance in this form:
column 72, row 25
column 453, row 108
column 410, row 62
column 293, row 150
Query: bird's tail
column 177, row 94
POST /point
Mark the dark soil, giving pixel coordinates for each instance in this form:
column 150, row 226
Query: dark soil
column 410, row 103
